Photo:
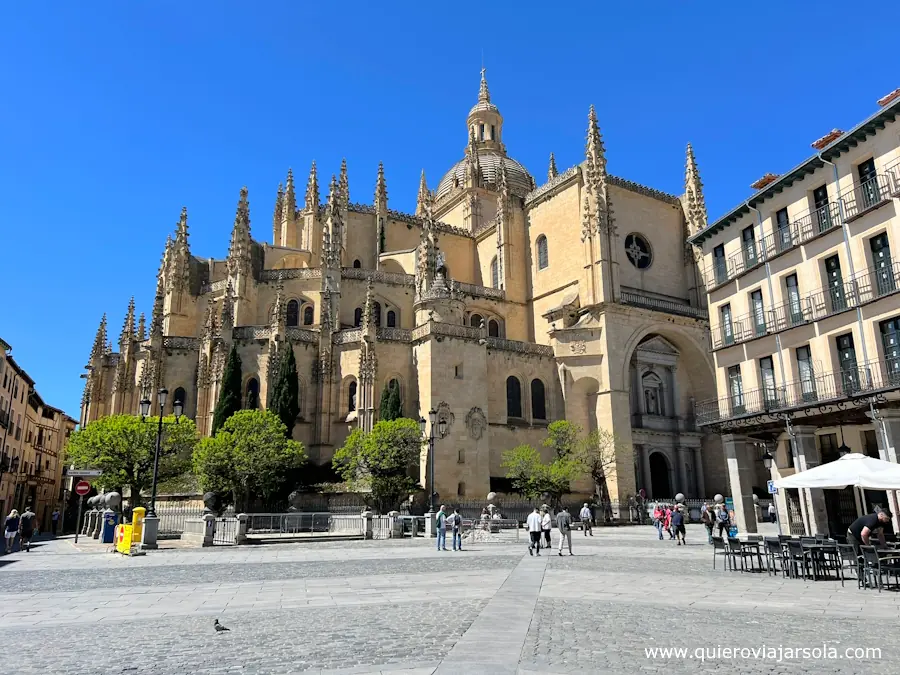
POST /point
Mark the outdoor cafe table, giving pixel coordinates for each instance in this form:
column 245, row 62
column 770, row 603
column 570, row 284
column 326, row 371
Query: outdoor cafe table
column 818, row 554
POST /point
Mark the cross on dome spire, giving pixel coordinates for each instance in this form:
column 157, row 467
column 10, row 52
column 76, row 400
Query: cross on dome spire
column 484, row 94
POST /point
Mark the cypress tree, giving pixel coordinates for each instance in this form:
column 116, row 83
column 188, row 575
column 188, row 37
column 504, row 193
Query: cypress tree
column 284, row 400
column 230, row 395
column 384, row 406
column 395, row 407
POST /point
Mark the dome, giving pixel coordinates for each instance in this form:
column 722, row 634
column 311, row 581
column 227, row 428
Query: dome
column 484, row 106
column 517, row 177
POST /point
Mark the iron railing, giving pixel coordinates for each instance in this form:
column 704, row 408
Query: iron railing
column 866, row 286
column 866, row 196
column 172, row 519
column 673, row 306
column 225, row 531
column 304, row 523
column 816, row 390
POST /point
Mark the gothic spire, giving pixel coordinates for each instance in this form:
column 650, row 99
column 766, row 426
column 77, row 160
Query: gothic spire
column 332, row 237
column 239, row 250
column 473, row 167
column 484, row 95
column 695, row 207
column 368, row 316
column 128, row 326
column 344, row 185
column 595, row 151
column 289, row 203
column 381, row 195
column 227, row 317
column 179, row 266
column 99, row 339
column 209, row 321
column 141, row 333
column 277, row 319
column 276, row 216
column 312, row 191
column 552, row 172
column 156, row 316
column 422, row 197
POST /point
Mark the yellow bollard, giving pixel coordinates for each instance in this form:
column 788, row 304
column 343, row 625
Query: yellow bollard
column 137, row 523
column 123, row 539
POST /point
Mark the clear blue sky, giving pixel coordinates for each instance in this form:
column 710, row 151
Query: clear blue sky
column 115, row 114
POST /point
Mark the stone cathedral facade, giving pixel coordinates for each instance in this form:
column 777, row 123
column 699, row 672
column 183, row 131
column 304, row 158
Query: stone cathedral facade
column 500, row 303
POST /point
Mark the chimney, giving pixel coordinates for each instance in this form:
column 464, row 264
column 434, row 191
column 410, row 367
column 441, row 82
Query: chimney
column 890, row 98
column 767, row 179
column 832, row 135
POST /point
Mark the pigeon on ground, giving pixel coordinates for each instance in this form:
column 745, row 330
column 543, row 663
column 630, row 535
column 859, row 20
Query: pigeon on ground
column 219, row 627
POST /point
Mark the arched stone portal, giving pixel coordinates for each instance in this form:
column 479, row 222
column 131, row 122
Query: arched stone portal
column 660, row 480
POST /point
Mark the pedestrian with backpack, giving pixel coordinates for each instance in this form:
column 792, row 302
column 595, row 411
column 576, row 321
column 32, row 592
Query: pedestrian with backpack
column 708, row 520
column 723, row 520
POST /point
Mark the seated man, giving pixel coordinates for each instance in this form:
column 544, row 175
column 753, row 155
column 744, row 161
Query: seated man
column 862, row 529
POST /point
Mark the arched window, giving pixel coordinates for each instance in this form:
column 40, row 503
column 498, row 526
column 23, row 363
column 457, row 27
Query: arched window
column 377, row 309
column 494, row 328
column 538, row 404
column 513, row 397
column 308, row 315
column 251, row 399
column 391, row 319
column 461, row 489
column 495, row 273
column 542, row 256
column 476, row 320
column 653, row 399
column 357, row 317
column 179, row 395
column 293, row 313
column 357, row 264
column 351, row 397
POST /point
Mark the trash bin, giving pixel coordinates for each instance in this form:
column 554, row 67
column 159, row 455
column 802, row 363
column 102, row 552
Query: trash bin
column 732, row 531
column 108, row 531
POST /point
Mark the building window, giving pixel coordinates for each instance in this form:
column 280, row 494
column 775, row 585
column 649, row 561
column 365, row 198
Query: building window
column 461, row 489
column 638, row 251
column 837, row 298
column 308, row 315
column 251, row 401
column 881, row 261
column 748, row 242
column 869, row 192
column 357, row 264
column 543, row 258
column 727, row 327
column 476, row 320
column 847, row 361
column 351, row 397
column 870, row 442
column 391, row 319
column 492, row 132
column 293, row 313
column 458, row 371
column 736, row 390
column 828, row 447
column 513, row 397
column 179, row 395
column 651, row 386
column 460, row 456
column 357, row 317
column 719, row 267
column 807, row 374
column 759, row 313
column 480, row 132
column 494, row 328
column 890, row 343
column 823, row 217
column 377, row 308
column 538, row 402
column 767, row 378
column 795, row 310
column 783, row 239
column 495, row 273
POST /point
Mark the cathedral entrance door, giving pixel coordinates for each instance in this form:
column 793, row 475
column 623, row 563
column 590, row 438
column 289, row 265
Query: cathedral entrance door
column 659, row 476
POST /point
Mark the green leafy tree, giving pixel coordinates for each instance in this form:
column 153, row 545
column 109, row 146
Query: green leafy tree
column 390, row 406
column 380, row 462
column 230, row 395
column 284, row 397
column 124, row 446
column 595, row 452
column 250, row 457
column 536, row 479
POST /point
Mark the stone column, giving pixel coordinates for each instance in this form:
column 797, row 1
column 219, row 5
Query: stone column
column 682, row 486
column 808, row 457
column 698, row 474
column 887, row 431
column 645, row 469
column 673, row 393
column 740, row 476
column 240, row 536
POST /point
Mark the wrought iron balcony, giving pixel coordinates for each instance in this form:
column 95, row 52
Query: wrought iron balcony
column 815, row 391
column 867, row 196
column 866, row 286
column 636, row 298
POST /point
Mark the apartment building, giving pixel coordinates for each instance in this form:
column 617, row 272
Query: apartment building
column 804, row 303
column 32, row 444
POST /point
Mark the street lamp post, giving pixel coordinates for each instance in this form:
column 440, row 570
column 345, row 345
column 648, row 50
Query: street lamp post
column 442, row 429
column 151, row 529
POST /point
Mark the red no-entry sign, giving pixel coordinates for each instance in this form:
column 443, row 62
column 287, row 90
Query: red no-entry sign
column 82, row 488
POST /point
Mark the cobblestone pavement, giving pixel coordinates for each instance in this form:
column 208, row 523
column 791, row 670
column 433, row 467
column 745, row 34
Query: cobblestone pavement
column 401, row 607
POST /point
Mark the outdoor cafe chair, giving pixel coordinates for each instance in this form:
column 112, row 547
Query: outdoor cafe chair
column 775, row 556
column 798, row 558
column 737, row 553
column 875, row 568
column 719, row 549
column 850, row 561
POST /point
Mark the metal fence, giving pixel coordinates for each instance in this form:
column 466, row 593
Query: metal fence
column 261, row 524
column 225, row 531
column 381, row 527
column 172, row 519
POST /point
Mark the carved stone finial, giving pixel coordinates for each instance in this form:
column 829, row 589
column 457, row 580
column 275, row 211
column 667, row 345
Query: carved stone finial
column 99, row 339
column 311, row 204
column 127, row 334
column 423, row 197
column 289, row 204
column 552, row 172
column 141, row 333
column 239, row 250
column 344, row 186
column 695, row 204
column 484, row 95
column 381, row 195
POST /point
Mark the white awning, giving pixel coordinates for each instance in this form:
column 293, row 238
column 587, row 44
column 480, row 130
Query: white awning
column 853, row 470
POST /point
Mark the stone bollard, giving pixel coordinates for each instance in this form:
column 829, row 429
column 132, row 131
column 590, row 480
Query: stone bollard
column 209, row 528
column 240, row 537
column 396, row 524
column 367, row 523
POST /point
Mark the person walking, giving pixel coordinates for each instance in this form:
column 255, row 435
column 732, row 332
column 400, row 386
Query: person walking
column 659, row 518
column 12, row 529
column 586, row 518
column 533, row 522
column 669, row 522
column 708, row 520
column 772, row 516
column 441, row 523
column 723, row 520
column 26, row 528
column 456, row 529
column 564, row 523
column 55, row 520
column 678, row 525
column 546, row 526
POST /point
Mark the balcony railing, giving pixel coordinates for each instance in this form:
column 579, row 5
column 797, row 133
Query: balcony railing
column 866, row 286
column 4, row 418
column 638, row 299
column 754, row 254
column 814, row 391
column 867, row 196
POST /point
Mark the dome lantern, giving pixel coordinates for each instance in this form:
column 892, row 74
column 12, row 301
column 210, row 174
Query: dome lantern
column 485, row 120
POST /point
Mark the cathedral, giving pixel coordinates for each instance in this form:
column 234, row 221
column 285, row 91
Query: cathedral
column 500, row 304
